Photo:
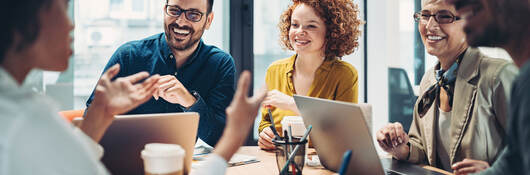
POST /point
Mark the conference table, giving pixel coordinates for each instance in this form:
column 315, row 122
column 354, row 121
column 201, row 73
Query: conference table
column 267, row 164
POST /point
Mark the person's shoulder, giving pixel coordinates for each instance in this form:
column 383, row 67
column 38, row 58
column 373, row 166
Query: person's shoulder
column 524, row 75
column 11, row 118
column 490, row 63
column 496, row 68
column 281, row 63
column 215, row 52
column 137, row 45
column 344, row 68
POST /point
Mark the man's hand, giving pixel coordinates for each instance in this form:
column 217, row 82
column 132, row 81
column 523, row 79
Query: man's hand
column 172, row 90
column 393, row 139
column 468, row 166
column 265, row 139
column 116, row 97
column 280, row 100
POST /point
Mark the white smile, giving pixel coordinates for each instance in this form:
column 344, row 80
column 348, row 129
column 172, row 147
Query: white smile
column 181, row 31
column 434, row 38
column 301, row 42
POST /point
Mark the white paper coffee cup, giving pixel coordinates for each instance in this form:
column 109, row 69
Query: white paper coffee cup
column 296, row 123
column 162, row 158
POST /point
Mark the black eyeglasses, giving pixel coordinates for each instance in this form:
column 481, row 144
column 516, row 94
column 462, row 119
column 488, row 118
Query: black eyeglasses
column 441, row 17
column 191, row 15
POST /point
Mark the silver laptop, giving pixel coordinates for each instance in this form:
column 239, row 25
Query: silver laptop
column 126, row 137
column 340, row 126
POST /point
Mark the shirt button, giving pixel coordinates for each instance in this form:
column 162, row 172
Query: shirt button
column 171, row 56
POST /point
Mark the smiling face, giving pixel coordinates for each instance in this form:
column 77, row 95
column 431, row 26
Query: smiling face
column 181, row 33
column 441, row 40
column 51, row 50
column 307, row 32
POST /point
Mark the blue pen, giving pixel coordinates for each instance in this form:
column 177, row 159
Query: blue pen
column 345, row 162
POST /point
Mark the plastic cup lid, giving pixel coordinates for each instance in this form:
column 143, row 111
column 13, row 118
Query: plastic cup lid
column 162, row 150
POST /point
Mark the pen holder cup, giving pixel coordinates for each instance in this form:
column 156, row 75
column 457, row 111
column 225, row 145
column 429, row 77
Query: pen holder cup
column 284, row 149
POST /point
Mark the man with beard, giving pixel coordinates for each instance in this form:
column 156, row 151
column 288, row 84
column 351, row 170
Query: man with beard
column 195, row 77
column 505, row 24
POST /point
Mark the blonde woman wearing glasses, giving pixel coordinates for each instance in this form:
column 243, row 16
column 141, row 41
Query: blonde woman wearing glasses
column 460, row 116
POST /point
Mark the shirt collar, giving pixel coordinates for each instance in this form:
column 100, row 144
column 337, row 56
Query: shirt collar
column 167, row 54
column 7, row 81
column 325, row 66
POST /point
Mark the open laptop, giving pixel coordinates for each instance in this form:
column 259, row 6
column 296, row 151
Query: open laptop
column 340, row 126
column 127, row 135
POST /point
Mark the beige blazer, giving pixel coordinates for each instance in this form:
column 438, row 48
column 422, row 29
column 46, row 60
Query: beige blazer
column 479, row 113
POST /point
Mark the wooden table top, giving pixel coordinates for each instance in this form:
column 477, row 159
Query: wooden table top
column 267, row 164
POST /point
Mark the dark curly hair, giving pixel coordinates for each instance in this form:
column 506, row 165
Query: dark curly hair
column 342, row 25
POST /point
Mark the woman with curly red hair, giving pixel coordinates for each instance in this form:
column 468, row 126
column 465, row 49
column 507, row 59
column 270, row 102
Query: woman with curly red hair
column 320, row 32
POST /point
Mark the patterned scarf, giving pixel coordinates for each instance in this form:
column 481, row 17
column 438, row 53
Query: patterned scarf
column 446, row 80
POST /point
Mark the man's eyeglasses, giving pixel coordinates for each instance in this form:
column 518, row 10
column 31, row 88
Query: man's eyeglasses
column 191, row 15
column 441, row 17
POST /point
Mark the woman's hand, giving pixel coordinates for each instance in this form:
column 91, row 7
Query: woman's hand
column 265, row 139
column 124, row 93
column 468, row 166
column 393, row 139
column 280, row 100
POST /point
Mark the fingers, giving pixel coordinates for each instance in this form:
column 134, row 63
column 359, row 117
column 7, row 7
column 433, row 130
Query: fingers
column 469, row 166
column 264, row 145
column 156, row 94
column 269, row 132
column 462, row 164
column 270, row 101
column 399, row 134
column 136, row 77
column 390, row 136
column 150, row 84
column 265, row 140
column 242, row 85
column 111, row 72
column 166, row 86
column 258, row 97
column 466, row 170
column 381, row 140
column 266, row 102
column 165, row 79
column 149, row 87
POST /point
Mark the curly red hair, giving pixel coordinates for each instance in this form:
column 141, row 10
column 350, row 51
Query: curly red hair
column 342, row 25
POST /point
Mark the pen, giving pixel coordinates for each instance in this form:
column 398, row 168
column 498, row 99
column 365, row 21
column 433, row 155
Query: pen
column 272, row 126
column 345, row 162
column 296, row 149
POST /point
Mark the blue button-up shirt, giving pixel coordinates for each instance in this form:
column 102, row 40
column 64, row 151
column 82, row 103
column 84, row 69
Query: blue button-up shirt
column 208, row 74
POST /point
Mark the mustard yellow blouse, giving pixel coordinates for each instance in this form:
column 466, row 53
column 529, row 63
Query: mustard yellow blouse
column 334, row 79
